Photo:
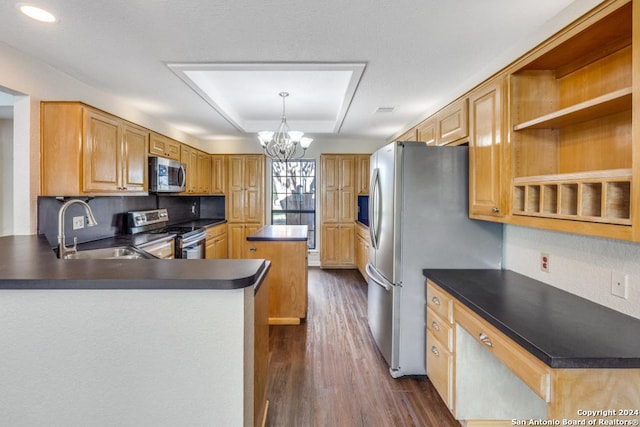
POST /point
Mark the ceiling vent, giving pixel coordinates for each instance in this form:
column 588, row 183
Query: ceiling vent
column 385, row 110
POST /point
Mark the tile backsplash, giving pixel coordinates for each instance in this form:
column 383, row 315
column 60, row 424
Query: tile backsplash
column 110, row 213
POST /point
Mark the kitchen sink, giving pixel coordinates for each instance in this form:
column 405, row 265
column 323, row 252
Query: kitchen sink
column 120, row 252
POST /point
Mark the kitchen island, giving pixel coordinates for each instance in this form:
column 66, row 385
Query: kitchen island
column 129, row 342
column 286, row 247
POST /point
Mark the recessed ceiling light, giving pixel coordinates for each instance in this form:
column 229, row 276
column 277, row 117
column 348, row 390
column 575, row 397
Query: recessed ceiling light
column 37, row 13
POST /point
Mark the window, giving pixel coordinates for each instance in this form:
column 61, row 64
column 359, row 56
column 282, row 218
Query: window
column 293, row 190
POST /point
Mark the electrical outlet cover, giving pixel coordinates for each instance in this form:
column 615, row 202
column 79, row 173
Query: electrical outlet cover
column 619, row 284
column 78, row 222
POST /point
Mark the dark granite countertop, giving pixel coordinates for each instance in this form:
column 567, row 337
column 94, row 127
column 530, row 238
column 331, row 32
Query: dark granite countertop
column 205, row 222
column 28, row 262
column 280, row 233
column 559, row 328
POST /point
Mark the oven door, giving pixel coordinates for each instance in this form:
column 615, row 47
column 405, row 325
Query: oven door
column 192, row 247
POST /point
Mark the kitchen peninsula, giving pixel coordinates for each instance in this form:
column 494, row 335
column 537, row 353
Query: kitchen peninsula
column 129, row 342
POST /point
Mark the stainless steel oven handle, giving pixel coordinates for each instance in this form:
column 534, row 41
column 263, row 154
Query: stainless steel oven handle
column 197, row 238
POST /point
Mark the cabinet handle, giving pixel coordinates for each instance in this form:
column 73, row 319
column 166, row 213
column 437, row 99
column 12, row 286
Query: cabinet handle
column 435, row 300
column 252, row 249
column 435, row 351
column 435, row 325
column 485, row 339
column 496, row 210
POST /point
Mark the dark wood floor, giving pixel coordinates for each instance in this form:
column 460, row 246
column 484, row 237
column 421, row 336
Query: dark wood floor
column 328, row 372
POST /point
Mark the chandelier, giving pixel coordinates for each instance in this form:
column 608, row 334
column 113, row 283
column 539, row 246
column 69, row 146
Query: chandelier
column 284, row 144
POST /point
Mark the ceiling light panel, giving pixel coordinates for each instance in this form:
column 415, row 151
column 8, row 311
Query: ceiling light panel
column 246, row 94
column 37, row 13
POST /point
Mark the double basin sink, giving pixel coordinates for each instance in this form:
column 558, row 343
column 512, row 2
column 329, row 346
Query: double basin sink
column 118, row 252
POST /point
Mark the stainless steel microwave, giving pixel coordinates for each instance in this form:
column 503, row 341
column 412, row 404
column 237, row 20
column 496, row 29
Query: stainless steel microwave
column 166, row 175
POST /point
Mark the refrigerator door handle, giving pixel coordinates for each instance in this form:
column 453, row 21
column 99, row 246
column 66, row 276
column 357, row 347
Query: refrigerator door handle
column 375, row 277
column 374, row 208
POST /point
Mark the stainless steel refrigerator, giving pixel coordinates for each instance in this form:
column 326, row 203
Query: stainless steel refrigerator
column 418, row 218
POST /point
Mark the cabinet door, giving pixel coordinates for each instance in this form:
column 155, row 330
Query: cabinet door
column 236, row 236
column 160, row 145
column 253, row 188
column 204, row 173
column 102, row 153
column 135, row 170
column 347, row 211
column 218, row 174
column 486, row 151
column 427, row 131
column 338, row 245
column 453, row 122
column 221, row 250
column 329, row 189
column 235, row 193
column 363, row 175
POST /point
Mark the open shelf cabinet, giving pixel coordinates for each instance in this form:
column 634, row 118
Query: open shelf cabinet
column 571, row 125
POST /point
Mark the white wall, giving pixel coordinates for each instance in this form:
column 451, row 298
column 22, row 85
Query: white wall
column 580, row 265
column 127, row 357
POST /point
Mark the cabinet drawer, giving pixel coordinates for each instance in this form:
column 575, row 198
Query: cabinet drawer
column 440, row 369
column 440, row 329
column 529, row 369
column 439, row 301
column 216, row 230
column 162, row 249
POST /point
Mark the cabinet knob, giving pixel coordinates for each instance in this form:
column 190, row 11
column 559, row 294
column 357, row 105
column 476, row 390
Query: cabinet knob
column 435, row 300
column 485, row 339
column 434, row 350
column 435, row 325
column 253, row 249
column 495, row 210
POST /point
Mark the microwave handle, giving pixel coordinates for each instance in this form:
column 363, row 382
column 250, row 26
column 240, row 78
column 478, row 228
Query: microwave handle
column 183, row 175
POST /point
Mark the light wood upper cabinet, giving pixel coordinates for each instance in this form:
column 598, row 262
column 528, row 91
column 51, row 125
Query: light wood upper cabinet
column 198, row 164
column 410, row 135
column 427, row 131
column 448, row 126
column 160, row 145
column 218, row 174
column 135, row 172
column 572, row 127
column 337, row 195
column 362, row 171
column 453, row 122
column 486, row 152
column 204, row 173
column 245, row 194
column 88, row 152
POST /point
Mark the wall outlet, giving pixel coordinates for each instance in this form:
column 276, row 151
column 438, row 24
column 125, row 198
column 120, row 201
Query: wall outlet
column 78, row 222
column 619, row 284
column 544, row 262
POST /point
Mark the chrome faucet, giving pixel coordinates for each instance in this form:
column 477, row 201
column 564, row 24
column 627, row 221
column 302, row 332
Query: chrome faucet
column 63, row 250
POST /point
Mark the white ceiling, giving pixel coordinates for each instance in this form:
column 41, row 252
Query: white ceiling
column 415, row 53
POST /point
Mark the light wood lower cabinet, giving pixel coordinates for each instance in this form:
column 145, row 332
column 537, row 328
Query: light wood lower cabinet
column 440, row 343
column 483, row 375
column 288, row 278
column 362, row 248
column 338, row 245
column 237, row 237
column 216, row 243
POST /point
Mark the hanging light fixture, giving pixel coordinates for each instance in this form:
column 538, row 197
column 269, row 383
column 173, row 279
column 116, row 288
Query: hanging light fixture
column 282, row 145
